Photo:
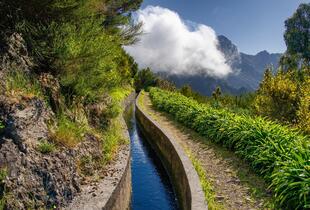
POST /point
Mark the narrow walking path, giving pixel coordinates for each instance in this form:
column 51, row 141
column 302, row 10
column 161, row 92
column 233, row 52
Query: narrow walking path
column 234, row 183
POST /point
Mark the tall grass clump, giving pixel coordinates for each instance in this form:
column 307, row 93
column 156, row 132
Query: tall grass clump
column 279, row 154
column 22, row 83
column 46, row 147
column 67, row 132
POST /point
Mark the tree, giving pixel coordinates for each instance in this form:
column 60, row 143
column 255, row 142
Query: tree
column 278, row 96
column 165, row 84
column 186, row 90
column 144, row 79
column 118, row 13
column 297, row 33
column 217, row 93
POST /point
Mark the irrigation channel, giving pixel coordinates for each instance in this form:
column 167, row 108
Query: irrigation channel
column 151, row 187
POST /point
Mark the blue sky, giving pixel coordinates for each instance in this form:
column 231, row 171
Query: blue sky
column 253, row 25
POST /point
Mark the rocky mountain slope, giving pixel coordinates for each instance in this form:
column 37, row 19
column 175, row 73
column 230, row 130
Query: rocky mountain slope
column 248, row 71
column 36, row 173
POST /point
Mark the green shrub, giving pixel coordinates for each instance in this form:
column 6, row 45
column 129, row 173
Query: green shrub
column 46, row 147
column 68, row 132
column 144, row 79
column 279, row 154
column 92, row 62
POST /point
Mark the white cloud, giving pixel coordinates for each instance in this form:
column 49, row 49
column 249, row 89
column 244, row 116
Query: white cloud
column 170, row 45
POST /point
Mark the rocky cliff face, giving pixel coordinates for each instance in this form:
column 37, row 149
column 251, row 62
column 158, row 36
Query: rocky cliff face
column 34, row 180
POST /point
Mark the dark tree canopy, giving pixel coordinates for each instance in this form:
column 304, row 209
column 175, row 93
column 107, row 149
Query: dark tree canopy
column 38, row 13
column 297, row 33
column 144, row 79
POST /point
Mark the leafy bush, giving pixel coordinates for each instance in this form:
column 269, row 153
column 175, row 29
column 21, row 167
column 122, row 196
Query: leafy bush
column 46, row 147
column 303, row 112
column 278, row 97
column 278, row 153
column 93, row 61
column 144, row 79
column 285, row 97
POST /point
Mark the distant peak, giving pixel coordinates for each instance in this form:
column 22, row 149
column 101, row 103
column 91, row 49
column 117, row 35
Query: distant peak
column 264, row 52
column 224, row 39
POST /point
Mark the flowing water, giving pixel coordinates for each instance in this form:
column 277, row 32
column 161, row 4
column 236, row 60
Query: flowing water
column 151, row 188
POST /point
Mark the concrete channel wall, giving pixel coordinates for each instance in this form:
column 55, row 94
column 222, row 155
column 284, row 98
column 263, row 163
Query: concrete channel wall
column 121, row 196
column 182, row 174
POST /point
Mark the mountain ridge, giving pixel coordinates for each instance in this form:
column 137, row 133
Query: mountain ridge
column 247, row 73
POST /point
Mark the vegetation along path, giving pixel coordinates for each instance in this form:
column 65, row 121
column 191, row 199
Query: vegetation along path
column 228, row 181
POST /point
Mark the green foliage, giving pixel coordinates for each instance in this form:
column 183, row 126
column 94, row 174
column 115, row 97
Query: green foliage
column 205, row 183
column 187, row 91
column 93, row 62
column 144, row 79
column 241, row 104
column 217, row 93
column 112, row 139
column 278, row 97
column 297, row 34
column 22, row 83
column 88, row 164
column 36, row 19
column 68, row 132
column 46, row 147
column 303, row 112
column 278, row 153
column 115, row 10
column 165, row 84
column 285, row 97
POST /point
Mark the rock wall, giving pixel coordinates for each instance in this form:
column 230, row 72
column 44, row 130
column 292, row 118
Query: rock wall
column 35, row 180
column 180, row 169
column 113, row 192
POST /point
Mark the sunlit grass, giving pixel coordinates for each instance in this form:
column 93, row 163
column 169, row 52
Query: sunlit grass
column 19, row 83
column 67, row 133
column 205, row 183
column 46, row 147
column 277, row 153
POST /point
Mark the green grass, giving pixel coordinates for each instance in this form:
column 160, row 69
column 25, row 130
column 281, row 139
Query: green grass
column 46, row 147
column 68, row 132
column 21, row 83
column 280, row 155
column 112, row 138
column 255, row 183
column 205, row 183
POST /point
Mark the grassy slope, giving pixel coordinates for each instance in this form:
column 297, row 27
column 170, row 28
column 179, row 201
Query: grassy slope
column 274, row 151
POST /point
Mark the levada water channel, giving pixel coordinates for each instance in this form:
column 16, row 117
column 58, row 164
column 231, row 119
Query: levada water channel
column 151, row 187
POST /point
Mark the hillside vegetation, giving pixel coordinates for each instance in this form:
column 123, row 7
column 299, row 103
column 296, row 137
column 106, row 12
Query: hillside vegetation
column 64, row 75
column 279, row 154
